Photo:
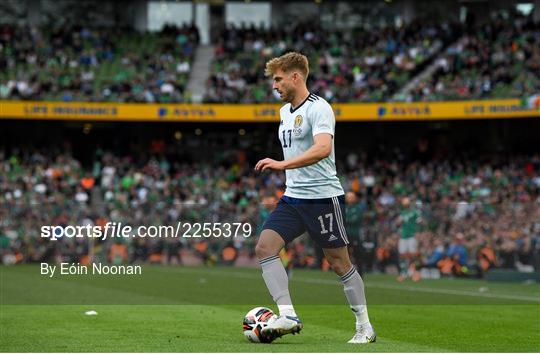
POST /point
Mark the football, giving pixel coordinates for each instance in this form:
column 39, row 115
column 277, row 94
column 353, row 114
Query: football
column 254, row 321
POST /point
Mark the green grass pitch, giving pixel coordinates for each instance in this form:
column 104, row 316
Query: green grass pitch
column 180, row 309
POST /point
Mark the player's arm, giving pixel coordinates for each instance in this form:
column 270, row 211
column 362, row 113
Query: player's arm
column 321, row 148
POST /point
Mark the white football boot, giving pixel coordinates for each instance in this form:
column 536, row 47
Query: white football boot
column 281, row 325
column 363, row 335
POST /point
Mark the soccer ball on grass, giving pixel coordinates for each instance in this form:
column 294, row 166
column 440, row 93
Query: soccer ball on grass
column 254, row 321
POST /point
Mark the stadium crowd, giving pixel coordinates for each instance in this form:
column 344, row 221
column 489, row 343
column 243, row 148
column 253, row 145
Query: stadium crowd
column 364, row 64
column 498, row 60
column 86, row 64
column 481, row 212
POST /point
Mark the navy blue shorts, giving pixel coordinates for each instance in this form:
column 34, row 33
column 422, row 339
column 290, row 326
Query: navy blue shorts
column 323, row 219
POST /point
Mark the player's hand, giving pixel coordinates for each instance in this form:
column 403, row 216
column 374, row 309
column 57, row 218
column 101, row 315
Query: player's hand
column 269, row 163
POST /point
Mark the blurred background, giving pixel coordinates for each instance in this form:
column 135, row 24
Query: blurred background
column 78, row 148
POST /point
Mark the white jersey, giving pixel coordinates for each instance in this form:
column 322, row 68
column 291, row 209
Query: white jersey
column 296, row 131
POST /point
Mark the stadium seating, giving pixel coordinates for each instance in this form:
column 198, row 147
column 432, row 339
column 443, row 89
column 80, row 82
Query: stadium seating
column 499, row 60
column 360, row 65
column 82, row 64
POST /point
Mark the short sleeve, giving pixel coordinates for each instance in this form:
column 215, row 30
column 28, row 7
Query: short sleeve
column 322, row 118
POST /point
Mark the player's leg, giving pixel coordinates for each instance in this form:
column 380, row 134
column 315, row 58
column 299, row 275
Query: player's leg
column 282, row 226
column 326, row 226
column 353, row 286
column 415, row 260
column 403, row 265
column 273, row 271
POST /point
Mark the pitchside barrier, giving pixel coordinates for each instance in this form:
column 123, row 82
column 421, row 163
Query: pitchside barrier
column 416, row 111
column 513, row 275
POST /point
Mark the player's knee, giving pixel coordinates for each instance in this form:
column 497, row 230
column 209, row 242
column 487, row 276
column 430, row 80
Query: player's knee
column 340, row 266
column 263, row 250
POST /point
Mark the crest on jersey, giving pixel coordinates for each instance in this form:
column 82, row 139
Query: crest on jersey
column 297, row 121
column 297, row 131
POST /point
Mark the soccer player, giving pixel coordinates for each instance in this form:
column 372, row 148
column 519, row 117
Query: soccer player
column 313, row 200
column 408, row 246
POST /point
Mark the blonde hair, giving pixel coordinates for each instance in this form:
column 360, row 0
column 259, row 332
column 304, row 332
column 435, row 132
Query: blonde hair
column 288, row 62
